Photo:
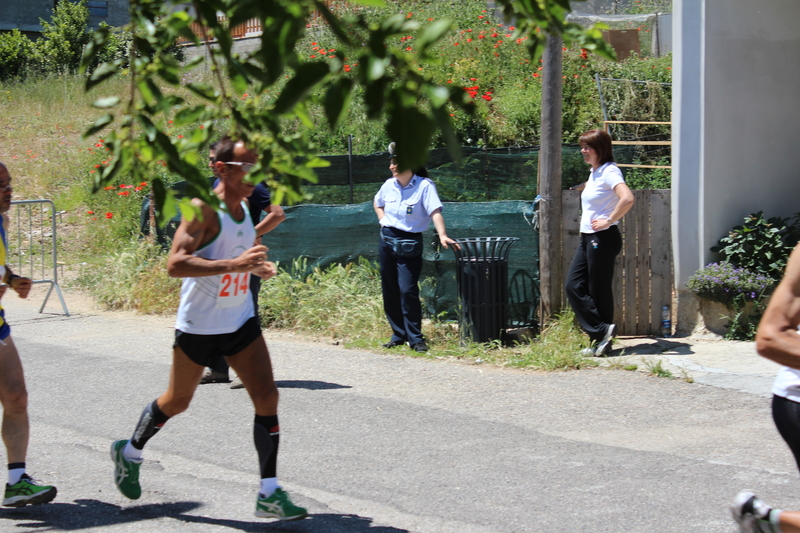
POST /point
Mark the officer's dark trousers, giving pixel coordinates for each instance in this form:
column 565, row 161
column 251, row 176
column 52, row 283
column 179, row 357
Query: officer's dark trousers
column 399, row 277
column 588, row 284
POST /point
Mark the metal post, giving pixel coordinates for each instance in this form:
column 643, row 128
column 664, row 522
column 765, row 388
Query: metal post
column 550, row 249
column 350, row 164
column 600, row 92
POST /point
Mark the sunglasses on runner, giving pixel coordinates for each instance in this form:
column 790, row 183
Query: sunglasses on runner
column 246, row 167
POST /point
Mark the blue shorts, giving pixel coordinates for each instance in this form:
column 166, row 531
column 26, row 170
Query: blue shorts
column 5, row 330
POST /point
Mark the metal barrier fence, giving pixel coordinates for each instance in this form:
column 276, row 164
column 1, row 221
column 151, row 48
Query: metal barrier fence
column 32, row 244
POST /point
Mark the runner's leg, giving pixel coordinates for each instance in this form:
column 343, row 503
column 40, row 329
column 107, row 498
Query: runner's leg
column 14, row 398
column 183, row 381
column 254, row 368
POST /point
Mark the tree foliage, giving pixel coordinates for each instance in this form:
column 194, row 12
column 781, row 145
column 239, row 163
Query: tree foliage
column 63, row 37
column 255, row 96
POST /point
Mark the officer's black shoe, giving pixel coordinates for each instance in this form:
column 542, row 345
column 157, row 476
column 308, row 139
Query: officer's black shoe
column 392, row 344
column 420, row 347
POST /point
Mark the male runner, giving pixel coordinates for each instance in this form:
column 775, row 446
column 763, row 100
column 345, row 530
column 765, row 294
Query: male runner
column 778, row 339
column 215, row 255
column 21, row 490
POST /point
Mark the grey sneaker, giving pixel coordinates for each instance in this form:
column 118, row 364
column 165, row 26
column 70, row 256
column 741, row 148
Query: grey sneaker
column 237, row 383
column 587, row 352
column 604, row 346
column 209, row 376
column 751, row 514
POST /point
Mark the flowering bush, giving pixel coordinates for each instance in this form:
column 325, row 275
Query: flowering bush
column 724, row 283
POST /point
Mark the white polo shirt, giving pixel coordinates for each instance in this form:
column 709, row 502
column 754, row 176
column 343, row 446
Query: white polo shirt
column 408, row 208
column 598, row 199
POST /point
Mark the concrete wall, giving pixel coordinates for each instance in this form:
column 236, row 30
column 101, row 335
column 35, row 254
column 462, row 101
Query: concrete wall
column 24, row 15
column 734, row 111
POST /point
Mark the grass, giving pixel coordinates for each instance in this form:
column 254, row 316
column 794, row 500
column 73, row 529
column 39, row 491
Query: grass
column 339, row 303
column 655, row 368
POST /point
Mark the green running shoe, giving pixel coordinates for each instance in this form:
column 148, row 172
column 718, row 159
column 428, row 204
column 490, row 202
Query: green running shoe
column 279, row 506
column 126, row 473
column 27, row 492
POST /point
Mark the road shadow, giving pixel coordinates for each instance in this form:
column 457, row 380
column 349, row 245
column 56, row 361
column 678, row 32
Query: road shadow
column 315, row 523
column 652, row 347
column 309, row 384
column 86, row 515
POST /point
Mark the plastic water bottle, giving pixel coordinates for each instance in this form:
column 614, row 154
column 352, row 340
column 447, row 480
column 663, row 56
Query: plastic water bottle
column 666, row 323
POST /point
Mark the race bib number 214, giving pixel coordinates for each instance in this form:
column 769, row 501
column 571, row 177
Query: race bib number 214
column 233, row 289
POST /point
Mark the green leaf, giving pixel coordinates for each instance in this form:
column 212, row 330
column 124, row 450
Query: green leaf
column 204, row 90
column 337, row 101
column 98, row 125
column 300, row 86
column 96, row 43
column 189, row 115
column 166, row 205
column 370, row 3
column 376, row 67
column 333, row 23
column 318, row 162
column 102, row 73
column 413, row 131
column 432, row 34
column 108, row 101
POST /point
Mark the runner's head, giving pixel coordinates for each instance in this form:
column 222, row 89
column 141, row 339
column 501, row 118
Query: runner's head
column 232, row 163
column 5, row 189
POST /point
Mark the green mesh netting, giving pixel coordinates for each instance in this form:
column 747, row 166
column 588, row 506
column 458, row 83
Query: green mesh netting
column 485, row 175
column 326, row 234
column 490, row 195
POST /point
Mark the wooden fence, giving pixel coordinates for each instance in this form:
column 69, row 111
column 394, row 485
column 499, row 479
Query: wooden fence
column 250, row 28
column 643, row 273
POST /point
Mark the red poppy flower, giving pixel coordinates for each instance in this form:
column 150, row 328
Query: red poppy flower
column 109, row 215
column 90, row 212
column 123, row 193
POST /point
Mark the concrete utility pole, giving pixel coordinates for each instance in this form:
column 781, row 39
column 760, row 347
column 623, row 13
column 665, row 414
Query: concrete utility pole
column 550, row 249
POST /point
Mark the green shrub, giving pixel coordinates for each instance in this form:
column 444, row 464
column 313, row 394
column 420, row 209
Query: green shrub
column 760, row 245
column 63, row 38
column 15, row 52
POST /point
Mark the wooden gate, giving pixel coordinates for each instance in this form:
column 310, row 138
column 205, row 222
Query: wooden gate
column 643, row 272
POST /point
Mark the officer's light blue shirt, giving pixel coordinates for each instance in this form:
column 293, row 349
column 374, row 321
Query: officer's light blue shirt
column 408, row 208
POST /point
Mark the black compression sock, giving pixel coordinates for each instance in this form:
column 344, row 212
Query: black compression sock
column 266, row 434
column 151, row 421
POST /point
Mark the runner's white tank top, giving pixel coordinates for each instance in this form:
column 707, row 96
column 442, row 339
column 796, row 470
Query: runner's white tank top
column 787, row 383
column 212, row 305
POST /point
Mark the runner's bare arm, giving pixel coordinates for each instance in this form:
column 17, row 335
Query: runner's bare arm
column 777, row 338
column 191, row 235
column 20, row 284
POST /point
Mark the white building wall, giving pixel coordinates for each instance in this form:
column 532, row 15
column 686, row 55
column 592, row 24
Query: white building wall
column 736, row 112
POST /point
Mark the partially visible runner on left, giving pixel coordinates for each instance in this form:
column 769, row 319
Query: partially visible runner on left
column 215, row 254
column 21, row 490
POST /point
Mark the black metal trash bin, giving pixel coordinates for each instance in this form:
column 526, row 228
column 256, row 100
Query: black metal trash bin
column 482, row 279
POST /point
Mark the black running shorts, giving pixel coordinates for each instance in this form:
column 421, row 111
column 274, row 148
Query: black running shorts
column 205, row 349
column 786, row 414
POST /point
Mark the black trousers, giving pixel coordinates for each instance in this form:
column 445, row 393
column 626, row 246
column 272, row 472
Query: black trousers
column 588, row 284
column 786, row 414
column 399, row 282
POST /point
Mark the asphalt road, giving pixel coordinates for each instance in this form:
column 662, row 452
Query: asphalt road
column 382, row 443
